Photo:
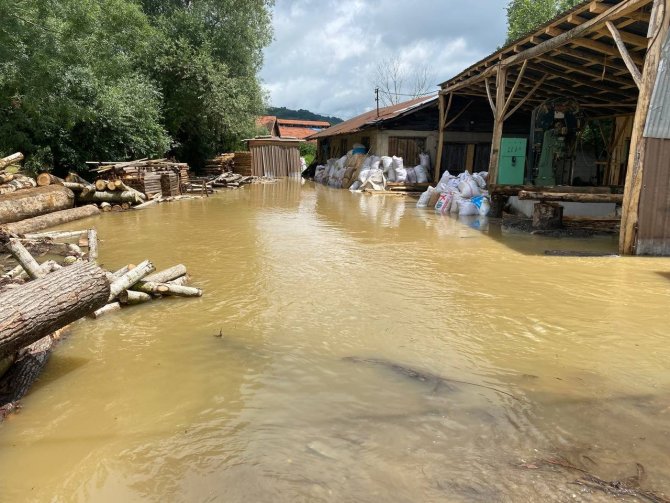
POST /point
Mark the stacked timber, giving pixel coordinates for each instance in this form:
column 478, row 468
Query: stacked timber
column 242, row 163
column 10, row 179
column 218, row 165
column 41, row 299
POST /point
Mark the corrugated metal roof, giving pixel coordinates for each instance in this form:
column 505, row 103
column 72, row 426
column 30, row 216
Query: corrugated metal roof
column 371, row 118
column 658, row 119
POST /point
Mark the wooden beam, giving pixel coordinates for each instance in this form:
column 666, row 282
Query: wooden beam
column 440, row 138
column 471, row 80
column 488, row 95
column 634, row 71
column 639, row 42
column 462, row 111
column 499, row 119
column 616, row 11
column 624, row 83
column 597, row 7
column 515, row 88
column 637, row 152
column 525, row 98
column 604, row 49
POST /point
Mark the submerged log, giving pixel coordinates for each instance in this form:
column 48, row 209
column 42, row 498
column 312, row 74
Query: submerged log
column 146, row 205
column 45, row 305
column 33, row 202
column 51, row 220
column 111, row 197
column 92, row 237
column 131, row 297
column 22, row 374
column 55, row 234
column 25, row 259
column 106, row 309
column 167, row 289
column 167, row 274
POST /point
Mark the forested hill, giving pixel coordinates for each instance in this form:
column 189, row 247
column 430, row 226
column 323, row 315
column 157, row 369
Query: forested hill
column 287, row 113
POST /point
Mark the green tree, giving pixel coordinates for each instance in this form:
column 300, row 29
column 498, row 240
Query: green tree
column 524, row 16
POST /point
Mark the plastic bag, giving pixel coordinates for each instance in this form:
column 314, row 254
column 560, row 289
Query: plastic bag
column 421, row 173
column 425, row 198
column 444, row 203
column 467, row 207
column 400, row 174
column 467, row 186
column 355, row 186
column 424, row 160
column 386, row 162
column 411, row 175
column 390, row 174
column 483, row 205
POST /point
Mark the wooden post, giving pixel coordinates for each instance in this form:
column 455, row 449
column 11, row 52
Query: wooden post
column 547, row 216
column 440, row 137
column 636, row 158
column 498, row 120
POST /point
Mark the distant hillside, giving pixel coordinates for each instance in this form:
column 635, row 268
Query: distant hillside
column 287, row 113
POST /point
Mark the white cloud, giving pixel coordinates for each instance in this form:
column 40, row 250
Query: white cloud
column 325, row 51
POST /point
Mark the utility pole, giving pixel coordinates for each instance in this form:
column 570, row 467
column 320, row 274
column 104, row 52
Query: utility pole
column 377, row 99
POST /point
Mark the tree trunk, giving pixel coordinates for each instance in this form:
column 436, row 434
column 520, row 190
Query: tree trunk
column 108, row 308
column 167, row 274
column 167, row 289
column 547, row 216
column 51, row 220
column 92, row 245
column 6, row 177
column 19, row 182
column 34, row 202
column 23, row 257
column 45, row 305
column 131, row 298
column 55, row 235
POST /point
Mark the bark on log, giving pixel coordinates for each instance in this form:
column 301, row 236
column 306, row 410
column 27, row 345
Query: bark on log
column 167, row 289
column 55, row 234
column 547, row 216
column 51, row 220
column 167, row 274
column 10, row 159
column 23, row 257
column 108, row 308
column 34, row 202
column 111, row 197
column 130, row 278
column 105, row 206
column 568, row 197
column 45, row 305
column 180, row 281
column 44, row 179
column 75, row 178
column 75, row 187
column 513, row 190
column 92, row 245
column 146, row 205
column 22, row 374
column 6, row 177
column 19, row 182
column 131, row 297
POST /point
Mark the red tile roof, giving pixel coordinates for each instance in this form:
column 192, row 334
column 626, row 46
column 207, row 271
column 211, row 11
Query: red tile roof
column 267, row 121
column 296, row 132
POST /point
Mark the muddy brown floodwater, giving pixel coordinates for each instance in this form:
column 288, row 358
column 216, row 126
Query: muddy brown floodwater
column 371, row 352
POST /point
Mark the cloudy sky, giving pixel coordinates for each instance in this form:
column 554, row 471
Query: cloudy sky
column 325, row 52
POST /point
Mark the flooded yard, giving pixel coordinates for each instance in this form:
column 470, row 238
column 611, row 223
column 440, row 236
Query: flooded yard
column 348, row 348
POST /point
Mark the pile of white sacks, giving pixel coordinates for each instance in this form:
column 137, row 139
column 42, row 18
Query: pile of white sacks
column 462, row 195
column 374, row 173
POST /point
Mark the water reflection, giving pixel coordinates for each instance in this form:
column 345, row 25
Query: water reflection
column 150, row 405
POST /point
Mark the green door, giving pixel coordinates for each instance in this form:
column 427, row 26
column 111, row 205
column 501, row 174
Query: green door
column 512, row 161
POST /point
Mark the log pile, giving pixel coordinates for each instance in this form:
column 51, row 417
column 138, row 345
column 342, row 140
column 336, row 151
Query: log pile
column 10, row 179
column 242, row 163
column 40, row 299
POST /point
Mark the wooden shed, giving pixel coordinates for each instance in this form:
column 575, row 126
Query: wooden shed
column 275, row 157
column 603, row 56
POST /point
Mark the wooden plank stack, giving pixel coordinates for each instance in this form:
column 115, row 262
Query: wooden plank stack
column 220, row 164
column 242, row 163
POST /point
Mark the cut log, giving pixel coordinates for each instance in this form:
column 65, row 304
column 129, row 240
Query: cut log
column 75, row 187
column 92, row 244
column 570, row 197
column 125, row 206
column 111, row 197
column 130, row 278
column 34, row 202
column 13, row 273
column 117, row 207
column 167, row 274
column 75, row 178
column 19, row 182
column 547, row 216
column 167, row 289
column 131, row 297
column 52, row 219
column 105, row 206
column 11, row 159
column 180, row 281
column 116, row 275
column 45, row 305
column 111, row 185
column 44, row 179
column 6, row 177
column 55, row 235
column 100, row 185
column 109, row 308
column 25, row 259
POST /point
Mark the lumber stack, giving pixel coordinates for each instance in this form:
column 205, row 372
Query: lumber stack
column 219, row 164
column 10, row 178
column 242, row 163
column 40, row 299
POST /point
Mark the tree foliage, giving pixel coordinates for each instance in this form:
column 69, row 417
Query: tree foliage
column 524, row 16
column 119, row 79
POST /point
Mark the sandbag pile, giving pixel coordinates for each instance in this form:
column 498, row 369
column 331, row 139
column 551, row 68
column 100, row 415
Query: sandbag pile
column 372, row 173
column 462, row 195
